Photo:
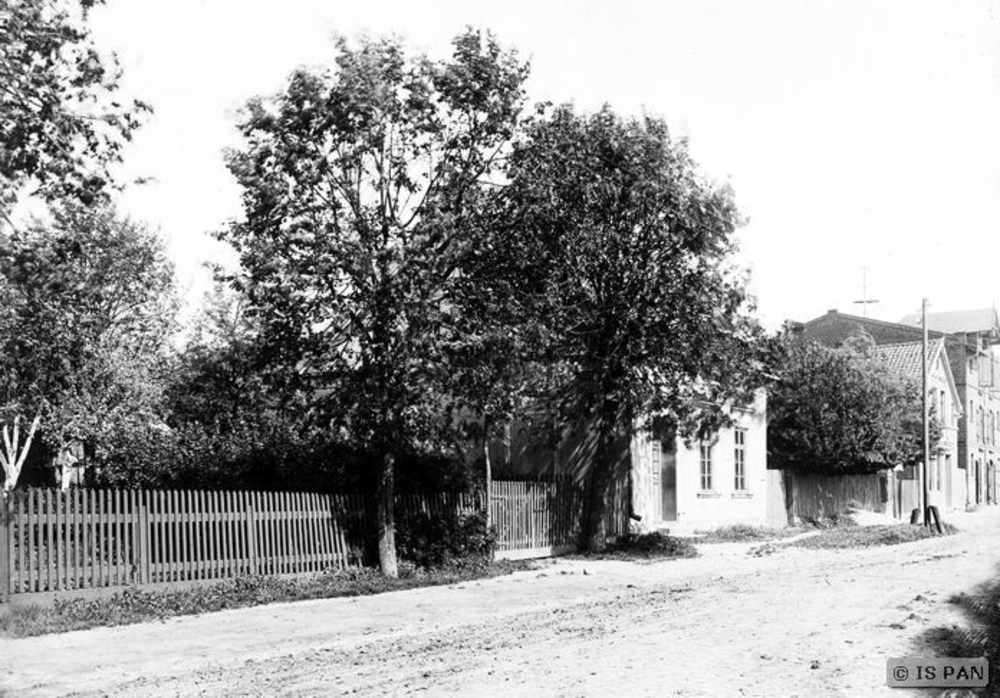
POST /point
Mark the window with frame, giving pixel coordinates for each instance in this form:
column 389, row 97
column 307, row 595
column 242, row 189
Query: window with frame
column 740, row 459
column 705, row 460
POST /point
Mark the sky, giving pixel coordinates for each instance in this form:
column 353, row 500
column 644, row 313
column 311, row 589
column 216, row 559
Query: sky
column 862, row 138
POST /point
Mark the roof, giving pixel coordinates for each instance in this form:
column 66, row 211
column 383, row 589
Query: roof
column 981, row 320
column 905, row 358
column 834, row 327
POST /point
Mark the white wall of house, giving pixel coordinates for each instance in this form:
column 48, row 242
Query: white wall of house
column 945, row 481
column 724, row 501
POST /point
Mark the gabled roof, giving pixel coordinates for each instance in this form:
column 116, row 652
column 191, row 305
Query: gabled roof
column 834, row 327
column 905, row 359
column 981, row 320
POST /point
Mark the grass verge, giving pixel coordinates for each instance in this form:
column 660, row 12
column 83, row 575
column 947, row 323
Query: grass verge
column 978, row 637
column 744, row 533
column 869, row 536
column 135, row 605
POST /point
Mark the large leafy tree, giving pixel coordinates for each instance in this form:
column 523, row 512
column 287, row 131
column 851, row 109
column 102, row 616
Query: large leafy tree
column 356, row 184
column 61, row 121
column 610, row 252
column 842, row 410
column 88, row 312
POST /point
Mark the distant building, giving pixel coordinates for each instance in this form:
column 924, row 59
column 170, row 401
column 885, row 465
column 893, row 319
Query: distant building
column 972, row 335
column 946, row 485
column 968, row 340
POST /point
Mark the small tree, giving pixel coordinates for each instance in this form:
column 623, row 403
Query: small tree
column 607, row 255
column 89, row 309
column 842, row 410
column 355, row 186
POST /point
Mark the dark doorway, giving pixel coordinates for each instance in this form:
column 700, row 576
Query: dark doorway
column 668, row 479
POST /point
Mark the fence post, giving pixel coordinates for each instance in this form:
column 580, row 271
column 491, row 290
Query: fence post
column 142, row 536
column 6, row 538
column 251, row 519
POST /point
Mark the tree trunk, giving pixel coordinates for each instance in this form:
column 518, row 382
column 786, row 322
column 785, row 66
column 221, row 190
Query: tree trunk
column 386, row 517
column 598, row 483
column 489, row 472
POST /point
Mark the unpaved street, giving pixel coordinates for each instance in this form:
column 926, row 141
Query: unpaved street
column 792, row 623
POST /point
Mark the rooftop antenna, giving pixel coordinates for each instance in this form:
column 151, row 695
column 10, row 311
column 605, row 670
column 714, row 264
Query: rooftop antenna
column 865, row 300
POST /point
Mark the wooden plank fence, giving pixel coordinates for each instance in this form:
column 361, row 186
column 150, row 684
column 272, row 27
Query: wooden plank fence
column 55, row 541
column 535, row 519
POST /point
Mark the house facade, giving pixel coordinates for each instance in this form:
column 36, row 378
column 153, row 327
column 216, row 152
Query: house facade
column 968, row 339
column 972, row 336
column 945, row 480
column 667, row 482
column 704, row 483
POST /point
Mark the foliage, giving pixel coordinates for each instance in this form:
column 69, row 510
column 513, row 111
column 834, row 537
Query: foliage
column 272, row 453
column 607, row 254
column 869, row 536
column 61, row 121
column 90, row 310
column 138, row 605
column 355, row 188
column 220, row 378
column 842, row 410
column 442, row 538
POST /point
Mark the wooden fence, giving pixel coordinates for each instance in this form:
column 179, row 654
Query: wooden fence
column 535, row 519
column 806, row 496
column 86, row 539
column 777, row 509
column 55, row 541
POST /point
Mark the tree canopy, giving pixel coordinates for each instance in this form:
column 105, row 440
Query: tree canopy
column 355, row 185
column 842, row 410
column 61, row 121
column 612, row 253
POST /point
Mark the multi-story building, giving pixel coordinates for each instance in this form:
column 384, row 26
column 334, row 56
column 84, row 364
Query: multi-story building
column 969, row 340
column 972, row 335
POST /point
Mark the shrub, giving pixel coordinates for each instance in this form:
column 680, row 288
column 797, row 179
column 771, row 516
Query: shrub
column 444, row 539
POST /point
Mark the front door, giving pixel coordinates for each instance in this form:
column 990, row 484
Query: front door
column 668, row 478
column 653, row 456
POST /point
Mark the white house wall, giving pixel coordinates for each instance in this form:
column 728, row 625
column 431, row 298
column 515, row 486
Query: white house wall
column 723, row 504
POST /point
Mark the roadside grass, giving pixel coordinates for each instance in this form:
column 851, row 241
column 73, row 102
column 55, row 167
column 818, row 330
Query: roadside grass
column 744, row 533
column 136, row 605
column 645, row 546
column 869, row 536
column 980, row 636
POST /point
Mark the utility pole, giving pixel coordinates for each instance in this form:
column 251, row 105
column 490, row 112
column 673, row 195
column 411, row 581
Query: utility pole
column 925, row 502
column 865, row 300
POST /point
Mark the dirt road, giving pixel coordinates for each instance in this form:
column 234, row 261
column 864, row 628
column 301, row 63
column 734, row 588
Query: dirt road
column 792, row 623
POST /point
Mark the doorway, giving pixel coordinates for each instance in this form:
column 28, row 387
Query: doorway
column 668, row 479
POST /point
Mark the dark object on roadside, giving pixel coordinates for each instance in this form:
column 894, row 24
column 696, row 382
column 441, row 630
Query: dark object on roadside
column 652, row 545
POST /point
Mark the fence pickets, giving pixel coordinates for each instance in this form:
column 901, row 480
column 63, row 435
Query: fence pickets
column 90, row 539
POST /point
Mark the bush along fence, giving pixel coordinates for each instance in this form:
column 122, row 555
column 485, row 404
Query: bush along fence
column 78, row 540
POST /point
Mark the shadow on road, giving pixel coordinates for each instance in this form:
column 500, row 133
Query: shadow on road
column 978, row 636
